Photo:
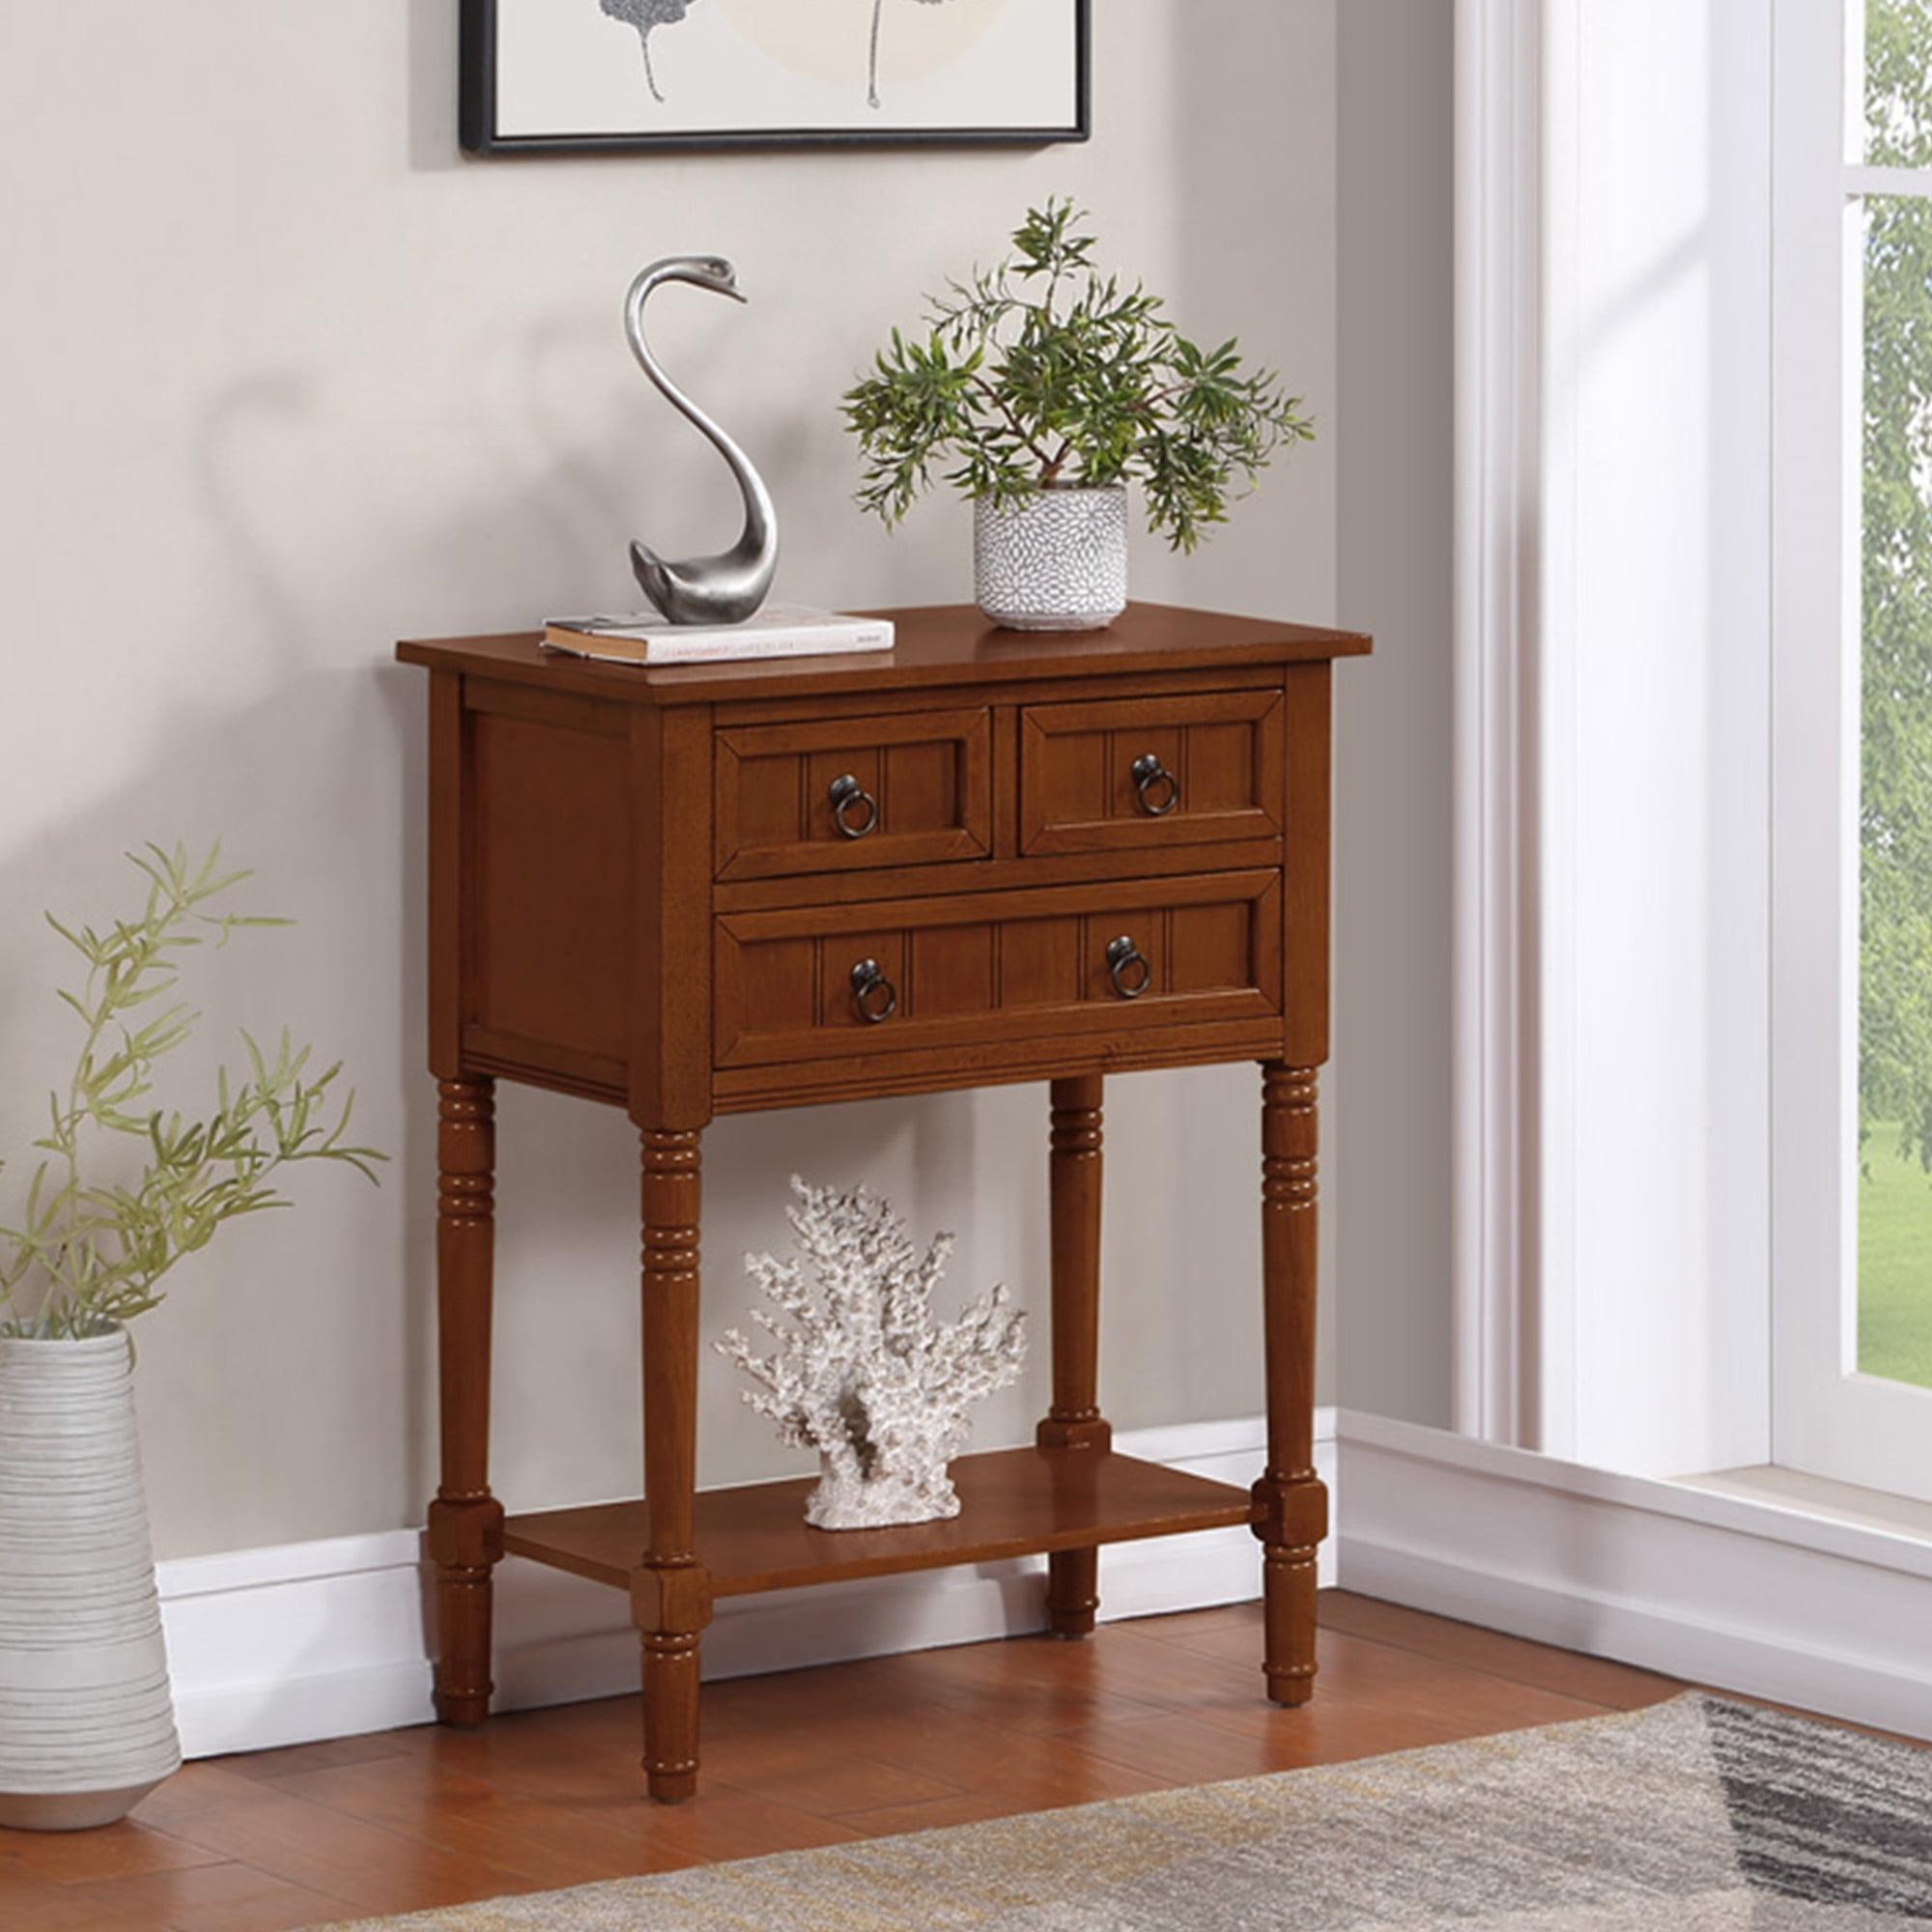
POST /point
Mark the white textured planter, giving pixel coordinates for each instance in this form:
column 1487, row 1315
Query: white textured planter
column 1056, row 562
column 87, row 1725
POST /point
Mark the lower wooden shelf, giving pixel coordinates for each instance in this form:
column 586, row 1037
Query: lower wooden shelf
column 1013, row 1502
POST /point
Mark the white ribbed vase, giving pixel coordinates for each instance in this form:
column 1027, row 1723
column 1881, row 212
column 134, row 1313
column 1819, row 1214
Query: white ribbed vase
column 1056, row 560
column 87, row 1725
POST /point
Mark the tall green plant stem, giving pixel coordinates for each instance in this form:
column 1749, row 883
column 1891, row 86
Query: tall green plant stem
column 91, row 1253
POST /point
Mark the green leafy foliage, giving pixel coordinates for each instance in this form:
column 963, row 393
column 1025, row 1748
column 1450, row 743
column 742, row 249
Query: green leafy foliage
column 1894, row 1239
column 1044, row 371
column 92, row 1247
column 1895, row 822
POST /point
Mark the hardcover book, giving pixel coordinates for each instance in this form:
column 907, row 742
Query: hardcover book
column 779, row 631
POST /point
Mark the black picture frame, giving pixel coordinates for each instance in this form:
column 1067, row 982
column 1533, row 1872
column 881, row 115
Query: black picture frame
column 476, row 121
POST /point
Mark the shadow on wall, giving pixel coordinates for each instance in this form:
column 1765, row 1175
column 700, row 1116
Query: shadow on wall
column 1237, row 277
column 564, row 1165
column 246, row 1313
column 328, row 766
column 342, row 1290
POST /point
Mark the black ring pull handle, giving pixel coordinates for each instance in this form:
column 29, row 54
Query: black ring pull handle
column 849, row 797
column 1156, row 787
column 875, row 999
column 1129, row 969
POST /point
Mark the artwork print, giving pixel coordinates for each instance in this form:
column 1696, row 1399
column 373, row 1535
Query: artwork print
column 573, row 74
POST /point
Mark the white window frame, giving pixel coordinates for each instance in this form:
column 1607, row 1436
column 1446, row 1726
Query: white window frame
column 1497, row 1393
column 1741, row 1349
column 1827, row 1418
column 1612, row 1159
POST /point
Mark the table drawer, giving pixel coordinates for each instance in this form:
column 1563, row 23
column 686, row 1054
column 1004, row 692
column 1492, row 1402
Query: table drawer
column 1135, row 772
column 826, row 980
column 849, row 794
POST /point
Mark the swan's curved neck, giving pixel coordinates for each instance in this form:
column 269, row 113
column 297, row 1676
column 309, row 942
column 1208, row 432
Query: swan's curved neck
column 759, row 513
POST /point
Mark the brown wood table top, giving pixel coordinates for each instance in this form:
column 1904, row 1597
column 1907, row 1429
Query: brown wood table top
column 936, row 644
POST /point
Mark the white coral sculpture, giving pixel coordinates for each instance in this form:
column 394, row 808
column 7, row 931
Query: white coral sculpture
column 860, row 1369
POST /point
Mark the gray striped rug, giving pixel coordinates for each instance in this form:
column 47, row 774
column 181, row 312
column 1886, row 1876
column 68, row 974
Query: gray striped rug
column 1690, row 1816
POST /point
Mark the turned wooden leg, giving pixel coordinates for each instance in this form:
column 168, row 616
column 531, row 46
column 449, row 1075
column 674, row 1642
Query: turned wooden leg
column 466, row 1521
column 1074, row 1422
column 1290, row 1504
column 672, row 1593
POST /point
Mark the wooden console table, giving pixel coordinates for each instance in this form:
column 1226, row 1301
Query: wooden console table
column 980, row 858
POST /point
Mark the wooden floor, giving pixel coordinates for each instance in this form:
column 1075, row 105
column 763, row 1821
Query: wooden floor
column 409, row 1819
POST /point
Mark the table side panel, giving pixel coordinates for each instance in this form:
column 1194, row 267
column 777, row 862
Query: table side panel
column 450, row 885
column 1306, row 874
column 671, row 756
column 546, row 939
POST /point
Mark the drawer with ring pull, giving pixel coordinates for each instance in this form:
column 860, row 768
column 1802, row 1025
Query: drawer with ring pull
column 1101, row 775
column 815, row 982
column 851, row 794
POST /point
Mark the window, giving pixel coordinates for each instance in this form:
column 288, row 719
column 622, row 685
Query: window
column 1894, row 347
column 1852, row 833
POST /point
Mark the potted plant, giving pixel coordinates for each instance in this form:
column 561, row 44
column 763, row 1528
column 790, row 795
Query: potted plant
column 1047, row 389
column 121, row 1193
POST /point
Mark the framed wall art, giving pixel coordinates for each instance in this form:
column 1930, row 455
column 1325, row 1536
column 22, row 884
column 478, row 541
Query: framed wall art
column 567, row 76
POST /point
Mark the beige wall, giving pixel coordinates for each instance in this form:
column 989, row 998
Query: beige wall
column 284, row 379
column 1389, row 1142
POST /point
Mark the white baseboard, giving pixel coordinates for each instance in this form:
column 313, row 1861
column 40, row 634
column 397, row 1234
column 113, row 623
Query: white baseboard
column 326, row 1640
column 1732, row 1593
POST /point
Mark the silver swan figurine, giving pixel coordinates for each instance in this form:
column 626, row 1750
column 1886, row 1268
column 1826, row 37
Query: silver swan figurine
column 728, row 588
